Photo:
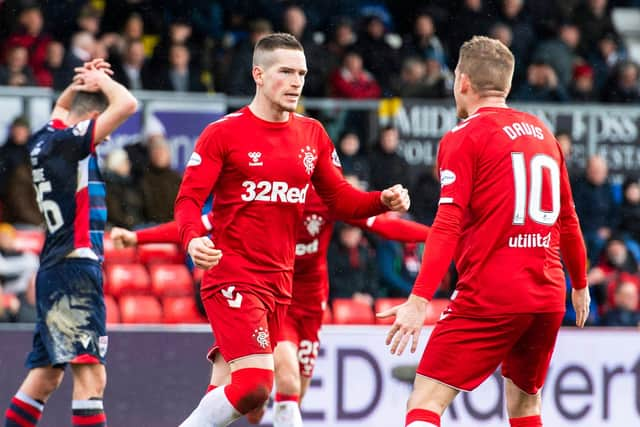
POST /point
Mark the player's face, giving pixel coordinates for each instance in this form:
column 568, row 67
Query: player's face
column 458, row 88
column 283, row 79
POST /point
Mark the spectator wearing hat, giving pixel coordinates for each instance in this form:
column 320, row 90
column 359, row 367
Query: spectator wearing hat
column 582, row 86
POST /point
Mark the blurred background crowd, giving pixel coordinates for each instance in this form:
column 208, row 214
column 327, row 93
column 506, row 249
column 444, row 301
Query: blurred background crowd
column 566, row 51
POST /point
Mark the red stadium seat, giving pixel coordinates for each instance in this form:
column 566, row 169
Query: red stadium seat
column 29, row 240
column 198, row 274
column 181, row 310
column 350, row 311
column 163, row 253
column 435, row 308
column 140, row 309
column 327, row 316
column 117, row 256
column 171, row 280
column 113, row 312
column 383, row 304
column 125, row 279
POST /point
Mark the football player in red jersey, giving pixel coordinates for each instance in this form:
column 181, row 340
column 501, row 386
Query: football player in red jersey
column 298, row 341
column 506, row 213
column 259, row 163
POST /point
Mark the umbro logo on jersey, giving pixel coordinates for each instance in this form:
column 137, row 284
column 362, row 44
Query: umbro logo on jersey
column 233, row 302
column 255, row 158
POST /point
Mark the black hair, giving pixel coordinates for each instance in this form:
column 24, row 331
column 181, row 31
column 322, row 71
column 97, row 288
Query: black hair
column 88, row 102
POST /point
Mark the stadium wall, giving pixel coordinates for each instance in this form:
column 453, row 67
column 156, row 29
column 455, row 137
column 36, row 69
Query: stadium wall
column 158, row 374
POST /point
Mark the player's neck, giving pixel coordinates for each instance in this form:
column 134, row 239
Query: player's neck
column 489, row 101
column 73, row 119
column 263, row 109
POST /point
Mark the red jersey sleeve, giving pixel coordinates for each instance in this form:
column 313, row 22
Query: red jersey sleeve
column 572, row 247
column 455, row 160
column 439, row 249
column 392, row 228
column 169, row 232
column 199, row 178
column 341, row 198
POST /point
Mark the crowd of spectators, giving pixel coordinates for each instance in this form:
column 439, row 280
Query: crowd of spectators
column 565, row 51
column 356, row 49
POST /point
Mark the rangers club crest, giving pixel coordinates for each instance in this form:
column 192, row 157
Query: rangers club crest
column 313, row 224
column 262, row 337
column 308, row 156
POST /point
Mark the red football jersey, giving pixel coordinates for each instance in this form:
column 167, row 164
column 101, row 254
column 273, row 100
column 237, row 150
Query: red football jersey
column 505, row 183
column 260, row 173
column 310, row 277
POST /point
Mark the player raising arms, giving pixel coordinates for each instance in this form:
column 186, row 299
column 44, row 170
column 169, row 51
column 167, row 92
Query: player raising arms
column 298, row 340
column 259, row 163
column 71, row 314
column 506, row 212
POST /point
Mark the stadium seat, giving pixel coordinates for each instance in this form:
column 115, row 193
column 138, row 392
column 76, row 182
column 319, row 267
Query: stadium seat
column 171, row 280
column 350, row 311
column 113, row 312
column 125, row 279
column 117, row 256
column 140, row 309
column 160, row 253
column 435, row 309
column 29, row 241
column 327, row 316
column 181, row 310
column 198, row 274
column 383, row 304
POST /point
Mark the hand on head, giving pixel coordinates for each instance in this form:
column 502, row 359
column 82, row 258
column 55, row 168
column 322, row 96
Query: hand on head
column 89, row 77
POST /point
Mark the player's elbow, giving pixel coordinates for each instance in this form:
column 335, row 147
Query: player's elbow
column 130, row 106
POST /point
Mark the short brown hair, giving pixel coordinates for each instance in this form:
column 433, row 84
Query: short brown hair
column 275, row 41
column 489, row 65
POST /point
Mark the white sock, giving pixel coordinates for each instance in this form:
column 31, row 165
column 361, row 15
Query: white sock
column 214, row 410
column 421, row 424
column 287, row 414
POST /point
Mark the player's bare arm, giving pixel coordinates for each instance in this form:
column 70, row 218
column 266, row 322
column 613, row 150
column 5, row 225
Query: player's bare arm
column 203, row 252
column 410, row 317
column 396, row 198
column 122, row 104
column 581, row 300
column 63, row 103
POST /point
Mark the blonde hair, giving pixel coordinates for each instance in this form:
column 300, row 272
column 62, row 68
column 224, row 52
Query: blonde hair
column 489, row 65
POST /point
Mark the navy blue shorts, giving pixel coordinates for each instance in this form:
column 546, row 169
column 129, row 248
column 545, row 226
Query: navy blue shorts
column 71, row 325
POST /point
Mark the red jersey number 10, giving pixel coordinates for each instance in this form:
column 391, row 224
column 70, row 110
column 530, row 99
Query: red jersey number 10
column 537, row 164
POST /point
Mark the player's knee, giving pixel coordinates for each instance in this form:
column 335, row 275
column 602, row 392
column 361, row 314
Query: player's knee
column 52, row 381
column 288, row 381
column 249, row 390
